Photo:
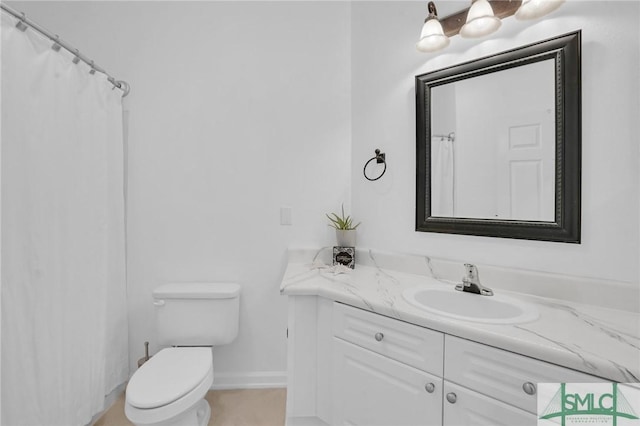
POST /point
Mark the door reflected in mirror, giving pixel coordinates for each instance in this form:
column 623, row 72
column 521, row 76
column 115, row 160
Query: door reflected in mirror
column 493, row 145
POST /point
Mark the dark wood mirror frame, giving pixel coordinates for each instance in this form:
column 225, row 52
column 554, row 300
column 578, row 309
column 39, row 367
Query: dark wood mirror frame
column 565, row 50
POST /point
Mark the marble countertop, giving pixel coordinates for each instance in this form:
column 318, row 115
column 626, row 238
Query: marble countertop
column 600, row 341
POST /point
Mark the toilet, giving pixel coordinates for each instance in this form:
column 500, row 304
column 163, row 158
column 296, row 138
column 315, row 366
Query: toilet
column 169, row 389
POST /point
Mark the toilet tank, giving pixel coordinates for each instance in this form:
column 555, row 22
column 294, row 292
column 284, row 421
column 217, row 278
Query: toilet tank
column 197, row 314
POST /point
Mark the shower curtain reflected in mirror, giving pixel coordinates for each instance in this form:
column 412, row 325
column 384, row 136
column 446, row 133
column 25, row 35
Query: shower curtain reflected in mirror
column 442, row 177
column 64, row 324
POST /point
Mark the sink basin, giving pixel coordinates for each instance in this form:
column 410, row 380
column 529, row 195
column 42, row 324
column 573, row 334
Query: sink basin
column 496, row 309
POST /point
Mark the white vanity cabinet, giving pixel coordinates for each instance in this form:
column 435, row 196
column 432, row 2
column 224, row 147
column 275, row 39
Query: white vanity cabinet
column 349, row 366
column 385, row 371
column 388, row 372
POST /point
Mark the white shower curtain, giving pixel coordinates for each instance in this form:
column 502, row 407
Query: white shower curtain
column 64, row 323
column 442, row 177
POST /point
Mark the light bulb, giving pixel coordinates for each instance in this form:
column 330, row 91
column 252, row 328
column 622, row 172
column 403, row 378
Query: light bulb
column 432, row 37
column 533, row 9
column 480, row 20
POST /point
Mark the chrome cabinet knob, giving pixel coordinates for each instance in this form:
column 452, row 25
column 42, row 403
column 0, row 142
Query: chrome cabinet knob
column 430, row 387
column 529, row 388
column 379, row 337
column 452, row 397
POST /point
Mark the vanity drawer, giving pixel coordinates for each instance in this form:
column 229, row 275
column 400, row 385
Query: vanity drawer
column 503, row 375
column 410, row 344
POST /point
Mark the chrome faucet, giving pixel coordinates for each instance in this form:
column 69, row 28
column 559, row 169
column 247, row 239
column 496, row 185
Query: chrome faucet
column 471, row 282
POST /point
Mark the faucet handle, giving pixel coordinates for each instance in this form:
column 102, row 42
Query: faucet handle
column 471, row 273
column 471, row 282
column 484, row 291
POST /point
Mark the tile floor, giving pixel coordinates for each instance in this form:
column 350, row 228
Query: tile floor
column 241, row 407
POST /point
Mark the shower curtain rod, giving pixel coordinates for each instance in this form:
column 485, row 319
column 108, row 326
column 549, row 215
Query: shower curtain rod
column 451, row 136
column 120, row 84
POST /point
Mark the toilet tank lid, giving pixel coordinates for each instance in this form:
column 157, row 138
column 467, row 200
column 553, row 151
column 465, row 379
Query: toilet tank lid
column 197, row 291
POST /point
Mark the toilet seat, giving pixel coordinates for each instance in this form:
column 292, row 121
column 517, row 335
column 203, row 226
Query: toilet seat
column 169, row 375
column 168, row 384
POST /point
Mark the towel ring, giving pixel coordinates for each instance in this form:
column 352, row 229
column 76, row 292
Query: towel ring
column 380, row 159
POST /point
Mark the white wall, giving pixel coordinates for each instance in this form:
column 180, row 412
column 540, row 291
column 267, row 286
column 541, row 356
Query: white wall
column 236, row 109
column 384, row 63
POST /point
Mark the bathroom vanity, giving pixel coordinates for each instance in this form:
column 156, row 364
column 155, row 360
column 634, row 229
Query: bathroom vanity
column 360, row 353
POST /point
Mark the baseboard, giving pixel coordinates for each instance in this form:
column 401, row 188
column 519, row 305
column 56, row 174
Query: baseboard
column 304, row 421
column 253, row 380
column 109, row 400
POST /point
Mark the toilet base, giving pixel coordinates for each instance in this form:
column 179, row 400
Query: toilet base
column 198, row 415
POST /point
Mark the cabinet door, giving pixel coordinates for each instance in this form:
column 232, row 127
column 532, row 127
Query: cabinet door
column 501, row 374
column 464, row 407
column 371, row 389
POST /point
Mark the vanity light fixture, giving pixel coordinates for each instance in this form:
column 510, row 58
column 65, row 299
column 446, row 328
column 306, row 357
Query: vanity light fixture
column 432, row 37
column 533, row 9
column 481, row 20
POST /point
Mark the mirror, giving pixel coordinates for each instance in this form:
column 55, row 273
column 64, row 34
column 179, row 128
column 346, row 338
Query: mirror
column 498, row 144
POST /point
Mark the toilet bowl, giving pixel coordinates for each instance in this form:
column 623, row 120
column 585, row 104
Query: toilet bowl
column 169, row 389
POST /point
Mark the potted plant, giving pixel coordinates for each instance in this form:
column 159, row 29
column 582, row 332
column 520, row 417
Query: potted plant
column 345, row 229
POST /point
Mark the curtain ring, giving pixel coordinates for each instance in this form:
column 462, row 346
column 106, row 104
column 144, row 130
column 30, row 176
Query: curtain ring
column 56, row 44
column 22, row 23
column 380, row 159
column 124, row 86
